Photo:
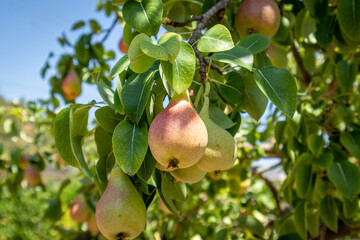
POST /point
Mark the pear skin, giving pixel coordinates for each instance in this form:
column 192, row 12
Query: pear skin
column 178, row 136
column 221, row 151
column 121, row 212
column 79, row 211
column 32, row 175
column 91, row 223
column 71, row 86
column 191, row 174
column 257, row 16
column 162, row 168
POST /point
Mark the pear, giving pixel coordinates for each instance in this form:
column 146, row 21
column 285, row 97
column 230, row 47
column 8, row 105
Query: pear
column 91, row 223
column 79, row 210
column 32, row 175
column 221, row 151
column 121, row 212
column 191, row 174
column 162, row 168
column 178, row 136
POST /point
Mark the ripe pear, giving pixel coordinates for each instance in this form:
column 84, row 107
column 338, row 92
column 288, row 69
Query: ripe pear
column 24, row 161
column 191, row 174
column 123, row 47
column 32, row 175
column 71, row 85
column 79, row 210
column 91, row 223
column 162, row 168
column 121, row 212
column 178, row 136
column 221, row 151
column 257, row 16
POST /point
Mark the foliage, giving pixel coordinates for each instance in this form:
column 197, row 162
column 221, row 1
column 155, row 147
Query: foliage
column 306, row 116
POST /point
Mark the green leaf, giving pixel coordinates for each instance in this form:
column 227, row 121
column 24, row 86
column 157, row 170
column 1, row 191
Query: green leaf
column 351, row 143
column 290, row 236
column 119, row 66
column 139, row 61
column 324, row 160
column 62, row 137
column 144, row 16
column 147, row 167
column 252, row 224
column 350, row 208
column 223, row 234
column 166, row 49
column 220, row 118
column 279, row 86
column 118, row 105
column 255, row 43
column 78, row 25
column 237, row 55
column 346, row 74
column 315, row 143
column 181, row 72
column 173, row 190
column 313, row 222
column 216, row 39
column 95, row 27
column 254, row 100
column 130, row 143
column 103, row 141
column 304, row 175
column 301, row 219
column 231, row 93
column 317, row 8
column 349, row 18
column 328, row 213
column 103, row 167
column 78, row 119
column 346, row 178
column 127, row 34
column 107, row 118
column 135, row 94
column 325, row 30
column 106, row 93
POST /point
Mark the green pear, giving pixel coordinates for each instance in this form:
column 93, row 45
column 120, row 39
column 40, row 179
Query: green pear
column 178, row 136
column 121, row 212
column 191, row 174
column 221, row 151
column 162, row 168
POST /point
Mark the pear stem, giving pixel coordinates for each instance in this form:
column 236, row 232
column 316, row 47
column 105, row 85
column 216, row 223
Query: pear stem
column 205, row 109
column 184, row 95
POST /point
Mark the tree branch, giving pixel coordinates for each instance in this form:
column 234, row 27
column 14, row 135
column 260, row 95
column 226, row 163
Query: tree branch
column 109, row 30
column 183, row 24
column 207, row 19
column 306, row 76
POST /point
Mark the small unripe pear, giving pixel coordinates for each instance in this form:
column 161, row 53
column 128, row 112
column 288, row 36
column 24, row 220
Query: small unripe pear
column 123, row 47
column 79, row 210
column 32, row 175
column 191, row 174
column 257, row 16
column 221, row 151
column 91, row 223
column 71, row 85
column 121, row 212
column 178, row 136
column 277, row 56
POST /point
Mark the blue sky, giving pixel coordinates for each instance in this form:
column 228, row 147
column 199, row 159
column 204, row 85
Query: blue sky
column 29, row 31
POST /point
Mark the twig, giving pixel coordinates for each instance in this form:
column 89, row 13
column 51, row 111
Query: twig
column 207, row 19
column 269, row 168
column 109, row 30
column 187, row 216
column 182, row 24
column 306, row 76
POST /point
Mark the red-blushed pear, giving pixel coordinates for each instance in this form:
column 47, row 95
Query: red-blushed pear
column 221, row 151
column 91, row 223
column 177, row 136
column 257, row 16
column 71, row 85
column 123, row 47
column 79, row 210
column 277, row 56
column 32, row 175
column 191, row 174
column 121, row 212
